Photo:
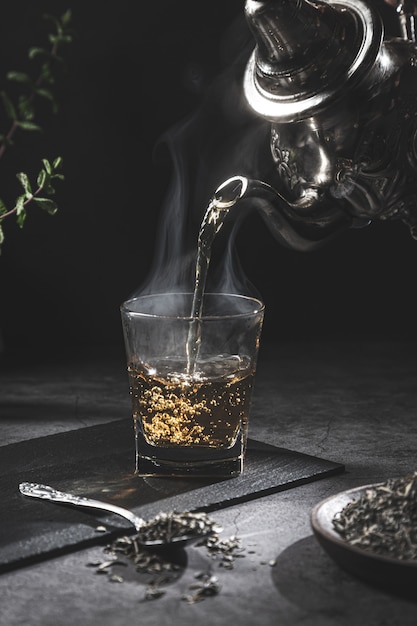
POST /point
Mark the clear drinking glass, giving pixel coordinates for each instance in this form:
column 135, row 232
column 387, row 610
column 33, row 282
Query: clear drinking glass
column 191, row 381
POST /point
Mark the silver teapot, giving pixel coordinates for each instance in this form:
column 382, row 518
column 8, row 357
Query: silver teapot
column 341, row 100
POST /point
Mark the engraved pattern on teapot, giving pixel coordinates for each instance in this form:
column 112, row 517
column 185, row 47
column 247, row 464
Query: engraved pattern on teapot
column 343, row 135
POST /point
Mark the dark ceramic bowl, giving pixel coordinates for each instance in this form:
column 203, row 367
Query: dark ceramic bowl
column 394, row 575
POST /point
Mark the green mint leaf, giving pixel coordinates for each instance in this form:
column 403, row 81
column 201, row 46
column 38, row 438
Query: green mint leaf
column 8, row 106
column 41, row 180
column 25, row 125
column 66, row 18
column 26, row 108
column 20, row 219
column 46, row 93
column 20, row 205
column 24, row 181
column 47, row 166
column 19, row 77
column 60, row 39
column 3, row 208
column 47, row 205
column 57, row 163
column 36, row 52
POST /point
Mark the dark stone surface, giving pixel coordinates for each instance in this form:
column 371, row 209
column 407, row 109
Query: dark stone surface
column 353, row 404
column 98, row 462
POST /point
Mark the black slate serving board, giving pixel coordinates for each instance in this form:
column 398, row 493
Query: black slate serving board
column 98, row 462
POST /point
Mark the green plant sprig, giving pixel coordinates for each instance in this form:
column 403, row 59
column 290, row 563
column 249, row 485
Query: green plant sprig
column 46, row 176
column 21, row 115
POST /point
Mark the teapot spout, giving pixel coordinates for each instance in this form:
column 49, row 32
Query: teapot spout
column 288, row 222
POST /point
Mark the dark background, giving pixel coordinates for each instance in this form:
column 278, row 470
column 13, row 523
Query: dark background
column 134, row 71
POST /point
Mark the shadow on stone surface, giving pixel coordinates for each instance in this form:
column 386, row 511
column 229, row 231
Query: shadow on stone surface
column 309, row 579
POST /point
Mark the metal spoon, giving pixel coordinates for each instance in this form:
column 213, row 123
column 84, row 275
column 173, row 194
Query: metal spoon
column 192, row 527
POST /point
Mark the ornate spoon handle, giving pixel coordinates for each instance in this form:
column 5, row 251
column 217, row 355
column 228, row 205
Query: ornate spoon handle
column 44, row 492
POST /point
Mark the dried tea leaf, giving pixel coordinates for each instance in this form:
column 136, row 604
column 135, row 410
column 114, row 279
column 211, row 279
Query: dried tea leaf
column 383, row 519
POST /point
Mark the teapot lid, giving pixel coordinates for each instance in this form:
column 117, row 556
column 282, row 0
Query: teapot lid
column 307, row 53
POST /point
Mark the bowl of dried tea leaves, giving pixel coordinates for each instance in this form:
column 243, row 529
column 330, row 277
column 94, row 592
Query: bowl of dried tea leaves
column 371, row 531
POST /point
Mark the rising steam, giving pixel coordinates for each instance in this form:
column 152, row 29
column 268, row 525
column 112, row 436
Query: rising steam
column 221, row 139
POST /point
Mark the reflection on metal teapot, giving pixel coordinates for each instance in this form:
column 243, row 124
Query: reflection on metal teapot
column 341, row 99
